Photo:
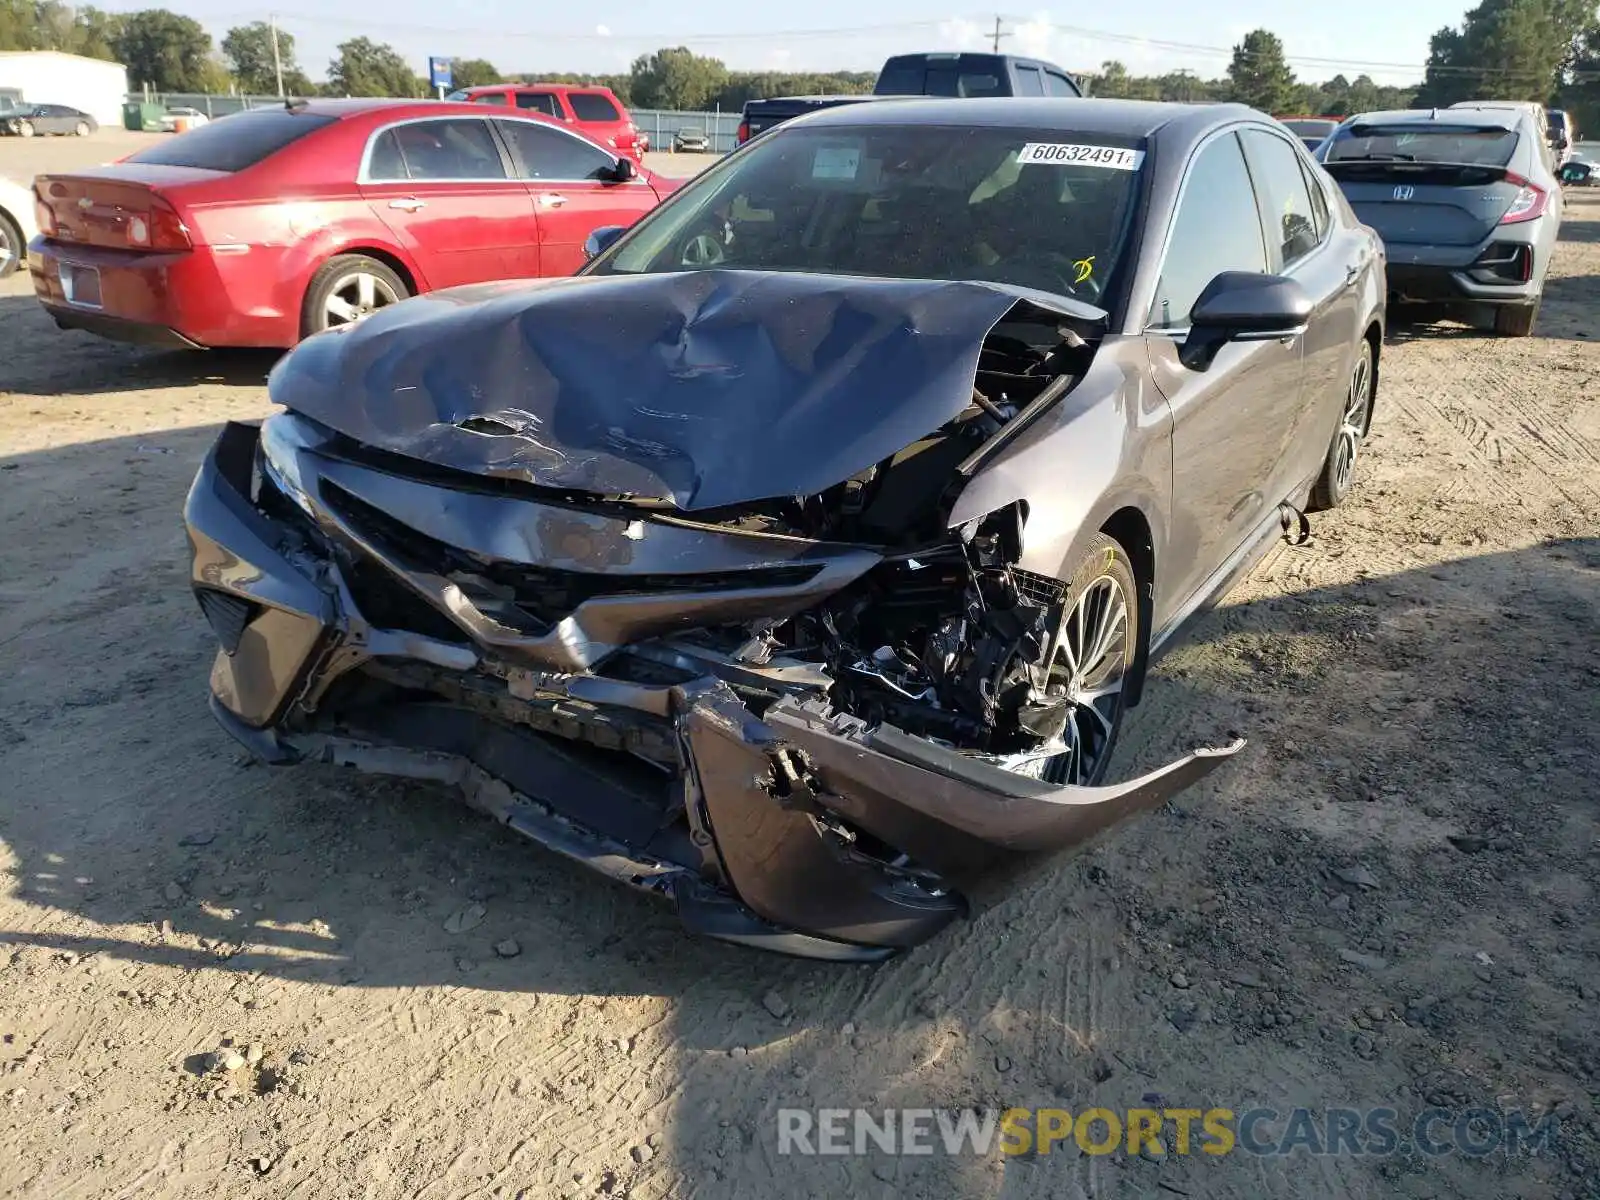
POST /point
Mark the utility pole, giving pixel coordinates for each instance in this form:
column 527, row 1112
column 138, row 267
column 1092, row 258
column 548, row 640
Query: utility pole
column 277, row 63
column 998, row 34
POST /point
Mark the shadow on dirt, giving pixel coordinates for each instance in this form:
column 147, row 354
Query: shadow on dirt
column 100, row 367
column 139, row 833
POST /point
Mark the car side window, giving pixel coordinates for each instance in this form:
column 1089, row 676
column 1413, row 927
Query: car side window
column 551, row 154
column 1285, row 199
column 450, row 149
column 1058, row 85
column 386, row 163
column 1319, row 202
column 538, row 102
column 1028, row 82
column 1215, row 229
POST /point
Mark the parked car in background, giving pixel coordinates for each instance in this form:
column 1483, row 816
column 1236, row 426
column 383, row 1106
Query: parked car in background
column 282, row 222
column 46, row 120
column 1310, row 130
column 940, row 73
column 798, row 562
column 594, row 110
column 191, row 118
column 1465, row 201
column 691, row 141
column 16, row 225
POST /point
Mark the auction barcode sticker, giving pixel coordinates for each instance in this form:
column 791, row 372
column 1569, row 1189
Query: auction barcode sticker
column 1117, row 158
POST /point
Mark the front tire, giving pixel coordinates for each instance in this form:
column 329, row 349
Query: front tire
column 12, row 248
column 346, row 289
column 1093, row 658
column 25, row 129
column 1338, row 469
column 1516, row 320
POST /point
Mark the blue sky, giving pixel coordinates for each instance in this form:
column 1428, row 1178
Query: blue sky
column 606, row 35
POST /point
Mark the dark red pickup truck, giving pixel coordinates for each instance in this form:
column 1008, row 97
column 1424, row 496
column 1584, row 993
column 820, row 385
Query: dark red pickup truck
column 934, row 74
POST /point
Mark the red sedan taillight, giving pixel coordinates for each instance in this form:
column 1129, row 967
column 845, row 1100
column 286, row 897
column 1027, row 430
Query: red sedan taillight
column 743, row 135
column 1530, row 201
column 158, row 228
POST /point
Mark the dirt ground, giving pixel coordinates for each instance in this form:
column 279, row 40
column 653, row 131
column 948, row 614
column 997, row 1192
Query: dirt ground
column 1388, row 899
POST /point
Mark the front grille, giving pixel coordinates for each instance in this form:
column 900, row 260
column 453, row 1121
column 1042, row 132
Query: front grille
column 227, row 615
column 534, row 598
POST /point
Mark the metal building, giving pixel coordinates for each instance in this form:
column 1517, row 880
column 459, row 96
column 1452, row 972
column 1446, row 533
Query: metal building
column 91, row 85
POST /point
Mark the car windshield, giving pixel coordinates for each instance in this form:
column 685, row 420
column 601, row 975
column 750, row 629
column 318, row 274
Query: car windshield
column 1488, row 146
column 1045, row 209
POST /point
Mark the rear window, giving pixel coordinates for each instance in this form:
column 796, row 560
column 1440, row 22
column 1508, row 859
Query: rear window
column 241, row 141
column 1484, row 146
column 590, row 106
column 964, row 76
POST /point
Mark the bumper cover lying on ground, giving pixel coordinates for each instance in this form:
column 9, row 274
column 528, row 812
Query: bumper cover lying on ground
column 605, row 737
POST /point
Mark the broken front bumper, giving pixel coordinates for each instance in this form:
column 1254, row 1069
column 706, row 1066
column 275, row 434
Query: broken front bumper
column 784, row 825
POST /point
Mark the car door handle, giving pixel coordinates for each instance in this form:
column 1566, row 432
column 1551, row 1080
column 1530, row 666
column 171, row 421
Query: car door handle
column 409, row 204
column 552, row 199
column 1351, row 272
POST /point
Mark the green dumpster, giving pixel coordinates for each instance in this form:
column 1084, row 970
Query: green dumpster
column 140, row 116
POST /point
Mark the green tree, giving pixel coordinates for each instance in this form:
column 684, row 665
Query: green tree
column 368, row 68
column 473, row 72
column 248, row 49
column 1505, row 50
column 1259, row 74
column 676, row 78
column 171, row 53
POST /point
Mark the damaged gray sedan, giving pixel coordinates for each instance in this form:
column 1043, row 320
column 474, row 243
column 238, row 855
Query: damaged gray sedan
column 800, row 559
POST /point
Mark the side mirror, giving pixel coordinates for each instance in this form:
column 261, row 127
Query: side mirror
column 1576, row 172
column 1243, row 306
column 623, row 171
column 600, row 240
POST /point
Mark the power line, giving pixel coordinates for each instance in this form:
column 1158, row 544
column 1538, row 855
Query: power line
column 998, row 32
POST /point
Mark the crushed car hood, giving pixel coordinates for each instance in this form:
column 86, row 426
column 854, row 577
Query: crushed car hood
column 699, row 389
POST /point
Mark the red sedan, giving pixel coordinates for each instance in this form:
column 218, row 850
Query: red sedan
column 268, row 226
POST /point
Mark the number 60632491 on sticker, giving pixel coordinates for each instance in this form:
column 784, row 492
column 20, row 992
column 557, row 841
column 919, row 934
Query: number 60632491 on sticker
column 1116, row 158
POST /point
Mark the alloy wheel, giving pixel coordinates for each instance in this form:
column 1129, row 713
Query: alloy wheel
column 354, row 297
column 1087, row 667
column 10, row 253
column 1353, row 423
column 25, row 129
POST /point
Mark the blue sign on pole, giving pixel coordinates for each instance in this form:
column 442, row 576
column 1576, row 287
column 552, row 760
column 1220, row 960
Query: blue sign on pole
column 439, row 72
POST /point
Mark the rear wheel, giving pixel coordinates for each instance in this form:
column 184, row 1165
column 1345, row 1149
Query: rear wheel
column 1516, row 320
column 82, row 129
column 1091, row 662
column 11, row 245
column 1339, row 468
column 349, row 288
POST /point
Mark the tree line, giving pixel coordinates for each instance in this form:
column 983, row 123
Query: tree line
column 1543, row 50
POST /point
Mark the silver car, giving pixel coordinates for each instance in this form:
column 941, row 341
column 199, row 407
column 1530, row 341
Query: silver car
column 799, row 559
column 1466, row 201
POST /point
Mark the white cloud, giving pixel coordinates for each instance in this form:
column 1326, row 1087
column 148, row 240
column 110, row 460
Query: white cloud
column 602, row 30
column 777, row 60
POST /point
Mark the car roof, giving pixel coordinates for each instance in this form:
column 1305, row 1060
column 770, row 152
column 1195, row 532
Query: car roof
column 1439, row 116
column 1114, row 118
column 343, row 109
column 554, row 87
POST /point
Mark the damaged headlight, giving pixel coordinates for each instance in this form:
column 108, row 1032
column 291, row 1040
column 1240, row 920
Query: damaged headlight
column 283, row 437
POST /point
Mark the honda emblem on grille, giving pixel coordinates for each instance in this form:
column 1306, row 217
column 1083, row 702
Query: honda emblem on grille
column 1404, row 192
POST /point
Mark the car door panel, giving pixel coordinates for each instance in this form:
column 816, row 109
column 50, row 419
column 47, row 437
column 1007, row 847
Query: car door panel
column 1301, row 245
column 434, row 187
column 1227, row 420
column 559, row 170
